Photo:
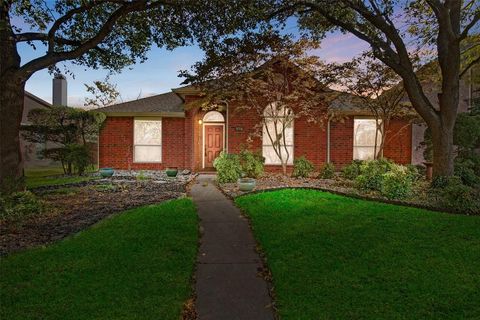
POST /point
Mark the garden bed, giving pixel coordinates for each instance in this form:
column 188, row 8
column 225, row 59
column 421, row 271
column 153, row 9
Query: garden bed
column 73, row 207
column 338, row 185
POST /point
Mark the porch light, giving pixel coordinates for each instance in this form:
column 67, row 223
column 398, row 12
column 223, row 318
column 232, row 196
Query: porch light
column 200, row 121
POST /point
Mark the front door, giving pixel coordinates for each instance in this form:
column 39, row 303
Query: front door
column 213, row 143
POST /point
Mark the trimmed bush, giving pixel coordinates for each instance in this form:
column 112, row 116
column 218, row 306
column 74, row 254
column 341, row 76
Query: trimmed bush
column 397, row 183
column 458, row 196
column 352, row 170
column 19, row 205
column 371, row 174
column 465, row 169
column 251, row 163
column 328, row 171
column 228, row 167
column 302, row 167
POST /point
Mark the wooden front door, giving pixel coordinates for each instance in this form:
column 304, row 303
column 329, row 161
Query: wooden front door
column 213, row 143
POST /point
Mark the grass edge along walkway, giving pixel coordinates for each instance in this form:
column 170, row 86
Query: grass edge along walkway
column 134, row 265
column 334, row 257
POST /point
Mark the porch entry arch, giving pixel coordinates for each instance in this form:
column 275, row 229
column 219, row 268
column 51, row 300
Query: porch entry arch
column 213, row 137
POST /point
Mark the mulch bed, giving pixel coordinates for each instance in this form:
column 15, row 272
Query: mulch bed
column 68, row 213
column 272, row 182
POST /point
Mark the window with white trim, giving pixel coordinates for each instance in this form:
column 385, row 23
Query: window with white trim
column 147, row 140
column 277, row 135
column 364, row 132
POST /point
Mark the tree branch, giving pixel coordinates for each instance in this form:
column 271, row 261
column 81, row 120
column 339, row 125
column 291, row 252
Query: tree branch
column 471, row 64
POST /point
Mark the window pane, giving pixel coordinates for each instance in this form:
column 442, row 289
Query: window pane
column 148, row 132
column 213, row 116
column 363, row 153
column 148, row 154
column 271, row 130
column 272, row 158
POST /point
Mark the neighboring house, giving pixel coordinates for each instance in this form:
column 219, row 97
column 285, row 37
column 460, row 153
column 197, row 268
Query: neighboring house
column 469, row 91
column 31, row 152
column 165, row 131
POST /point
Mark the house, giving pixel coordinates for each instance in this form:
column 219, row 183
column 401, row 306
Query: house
column 163, row 131
column 31, row 151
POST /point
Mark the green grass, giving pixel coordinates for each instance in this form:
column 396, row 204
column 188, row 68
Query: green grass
column 49, row 176
column 136, row 265
column 334, row 257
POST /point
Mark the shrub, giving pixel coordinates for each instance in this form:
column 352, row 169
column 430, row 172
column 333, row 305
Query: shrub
column 413, row 172
column 371, row 174
column 465, row 169
column 251, row 163
column 302, row 167
column 78, row 156
column 352, row 170
column 328, row 171
column 397, row 183
column 228, row 167
column 19, row 205
column 458, row 196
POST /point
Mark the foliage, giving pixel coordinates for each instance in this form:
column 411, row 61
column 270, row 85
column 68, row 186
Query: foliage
column 378, row 89
column 39, row 177
column 277, row 85
column 302, row 167
column 65, row 132
column 228, row 167
column 372, row 174
column 19, row 205
column 321, row 242
column 397, row 183
column 104, row 94
column 144, row 252
column 466, row 170
column 251, row 163
column 327, row 171
column 352, row 170
column 455, row 195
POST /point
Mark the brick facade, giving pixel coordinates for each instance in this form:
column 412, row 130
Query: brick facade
column 182, row 140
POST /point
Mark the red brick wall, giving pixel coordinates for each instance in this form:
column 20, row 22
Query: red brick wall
column 398, row 141
column 341, row 142
column 116, row 144
column 182, row 141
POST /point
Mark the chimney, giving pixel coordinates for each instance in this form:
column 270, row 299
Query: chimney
column 59, row 90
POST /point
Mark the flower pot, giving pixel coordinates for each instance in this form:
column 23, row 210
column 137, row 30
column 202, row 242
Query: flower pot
column 171, row 172
column 246, row 184
column 429, row 171
column 106, row 172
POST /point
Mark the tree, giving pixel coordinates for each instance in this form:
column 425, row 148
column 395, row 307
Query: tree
column 436, row 26
column 380, row 90
column 276, row 85
column 104, row 94
column 65, row 133
column 98, row 33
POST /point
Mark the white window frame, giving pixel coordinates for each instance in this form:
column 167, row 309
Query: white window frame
column 148, row 145
column 278, row 162
column 379, row 138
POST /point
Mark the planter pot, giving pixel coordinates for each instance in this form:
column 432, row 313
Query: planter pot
column 246, row 184
column 106, row 172
column 171, row 172
column 429, row 171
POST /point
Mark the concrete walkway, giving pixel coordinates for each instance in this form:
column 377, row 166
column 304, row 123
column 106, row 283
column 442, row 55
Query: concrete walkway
column 227, row 282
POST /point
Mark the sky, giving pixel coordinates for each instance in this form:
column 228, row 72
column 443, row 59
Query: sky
column 159, row 73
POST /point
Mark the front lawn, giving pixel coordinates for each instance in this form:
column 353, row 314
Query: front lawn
column 49, row 176
column 334, row 257
column 135, row 265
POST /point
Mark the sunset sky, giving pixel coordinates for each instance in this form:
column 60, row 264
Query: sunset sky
column 160, row 72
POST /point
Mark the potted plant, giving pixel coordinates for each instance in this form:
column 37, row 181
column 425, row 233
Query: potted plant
column 106, row 172
column 171, row 172
column 246, row 184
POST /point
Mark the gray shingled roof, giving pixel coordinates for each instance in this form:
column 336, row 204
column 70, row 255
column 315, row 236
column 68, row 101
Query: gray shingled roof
column 165, row 102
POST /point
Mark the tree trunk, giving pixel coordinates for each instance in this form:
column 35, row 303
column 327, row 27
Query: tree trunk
column 443, row 151
column 12, row 89
column 11, row 104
